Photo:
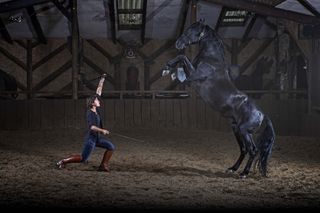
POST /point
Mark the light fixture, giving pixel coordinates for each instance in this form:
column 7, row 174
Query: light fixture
column 15, row 19
column 233, row 17
column 130, row 13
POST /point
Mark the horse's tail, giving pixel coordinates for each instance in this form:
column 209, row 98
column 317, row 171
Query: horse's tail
column 265, row 143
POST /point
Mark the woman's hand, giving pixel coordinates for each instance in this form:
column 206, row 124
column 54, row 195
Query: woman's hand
column 105, row 132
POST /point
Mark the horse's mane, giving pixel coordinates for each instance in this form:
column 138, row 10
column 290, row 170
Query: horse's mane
column 210, row 32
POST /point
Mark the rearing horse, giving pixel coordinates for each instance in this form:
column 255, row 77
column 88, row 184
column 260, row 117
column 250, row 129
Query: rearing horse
column 208, row 75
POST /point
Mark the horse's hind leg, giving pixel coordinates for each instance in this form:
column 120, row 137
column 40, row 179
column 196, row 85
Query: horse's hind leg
column 242, row 147
column 251, row 148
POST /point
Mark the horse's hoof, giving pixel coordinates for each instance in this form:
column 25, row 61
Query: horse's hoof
column 243, row 176
column 230, row 171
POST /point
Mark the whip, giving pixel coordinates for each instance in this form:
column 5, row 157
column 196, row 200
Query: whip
column 127, row 137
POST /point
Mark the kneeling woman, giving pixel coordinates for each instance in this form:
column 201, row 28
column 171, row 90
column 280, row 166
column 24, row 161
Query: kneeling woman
column 93, row 136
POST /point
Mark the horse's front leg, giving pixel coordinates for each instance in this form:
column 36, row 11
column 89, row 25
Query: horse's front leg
column 181, row 58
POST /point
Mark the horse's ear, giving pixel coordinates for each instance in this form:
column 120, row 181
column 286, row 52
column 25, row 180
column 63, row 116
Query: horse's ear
column 201, row 20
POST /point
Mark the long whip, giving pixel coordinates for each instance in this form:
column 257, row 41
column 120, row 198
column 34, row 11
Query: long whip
column 127, row 137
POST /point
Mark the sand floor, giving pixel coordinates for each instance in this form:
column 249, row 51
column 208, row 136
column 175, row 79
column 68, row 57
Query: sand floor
column 169, row 169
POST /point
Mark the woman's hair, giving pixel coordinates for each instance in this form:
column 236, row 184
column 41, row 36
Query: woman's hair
column 91, row 99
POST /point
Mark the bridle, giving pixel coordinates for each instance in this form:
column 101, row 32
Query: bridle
column 201, row 36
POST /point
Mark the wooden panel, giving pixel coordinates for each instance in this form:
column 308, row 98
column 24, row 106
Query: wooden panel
column 155, row 113
column 169, row 113
column 103, row 112
column 81, row 113
column 46, row 113
column 128, row 112
column 59, row 114
column 10, row 119
column 177, row 120
column 34, row 114
column 22, row 115
column 119, row 113
column 70, row 112
column 162, row 113
column 201, row 119
column 137, row 111
column 2, row 115
column 192, row 107
column 211, row 118
column 109, row 118
column 184, row 107
column 287, row 115
column 146, row 113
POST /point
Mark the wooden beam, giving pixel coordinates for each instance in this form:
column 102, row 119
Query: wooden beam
column 53, row 75
column 143, row 25
column 216, row 28
column 156, row 11
column 243, row 44
column 155, row 77
column 309, row 7
column 34, row 44
column 112, row 20
column 49, row 56
column 20, row 85
column 266, row 10
column 75, row 47
column 13, row 58
column 249, row 28
column 147, row 76
column 227, row 46
column 4, row 32
column 21, row 43
column 255, row 55
column 234, row 51
column 19, row 4
column 101, row 50
column 97, row 69
column 172, row 85
column 169, row 44
column 29, row 69
column 194, row 11
column 62, row 9
column 36, row 25
column 183, row 17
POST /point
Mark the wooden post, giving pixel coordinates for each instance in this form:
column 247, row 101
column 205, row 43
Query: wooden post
column 193, row 17
column 117, row 76
column 29, row 69
column 193, row 11
column 234, row 52
column 146, row 76
column 75, row 50
column 193, row 48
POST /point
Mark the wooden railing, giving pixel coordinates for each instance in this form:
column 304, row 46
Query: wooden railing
column 153, row 94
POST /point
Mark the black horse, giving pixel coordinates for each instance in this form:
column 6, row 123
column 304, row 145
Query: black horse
column 208, row 75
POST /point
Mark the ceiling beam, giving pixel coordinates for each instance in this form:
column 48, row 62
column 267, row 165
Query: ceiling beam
column 19, row 4
column 143, row 25
column 4, row 32
column 112, row 20
column 216, row 28
column 266, row 10
column 36, row 25
column 156, row 11
column 309, row 7
column 183, row 17
column 62, row 9
column 249, row 27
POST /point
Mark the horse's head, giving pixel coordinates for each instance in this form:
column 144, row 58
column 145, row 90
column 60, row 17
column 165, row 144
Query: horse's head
column 191, row 35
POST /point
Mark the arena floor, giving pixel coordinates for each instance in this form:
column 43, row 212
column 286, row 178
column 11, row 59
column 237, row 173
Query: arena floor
column 169, row 169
